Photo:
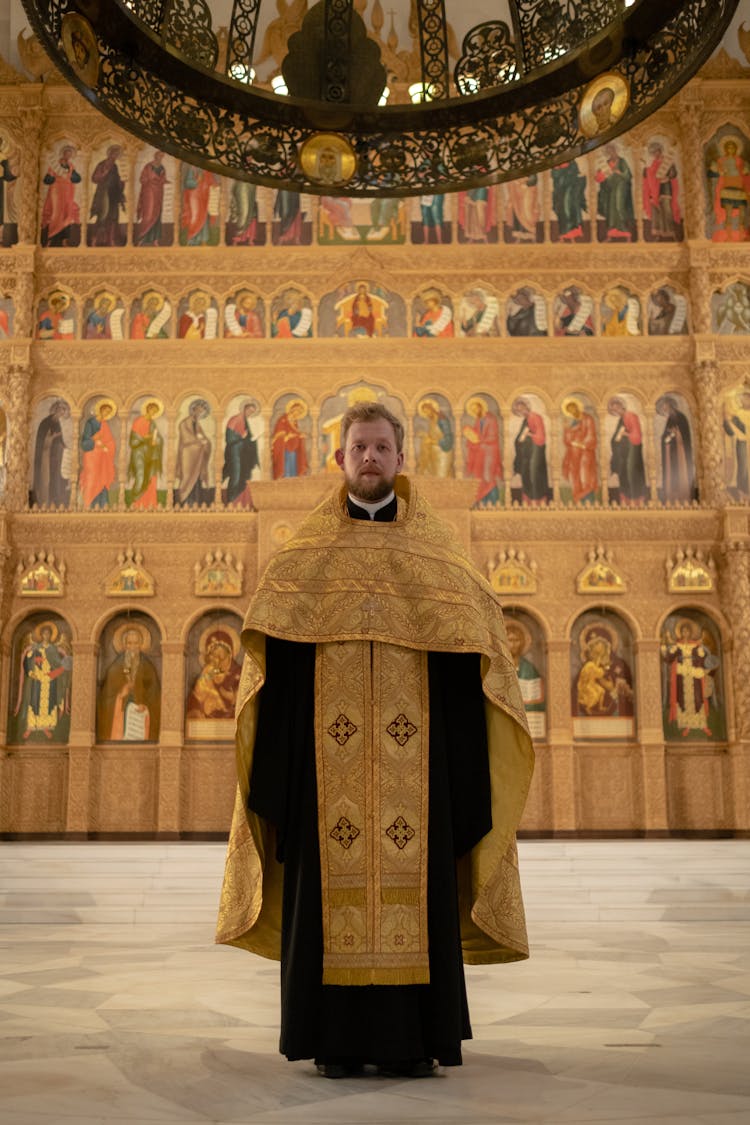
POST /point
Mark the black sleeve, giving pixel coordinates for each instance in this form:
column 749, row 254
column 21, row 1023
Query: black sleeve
column 285, row 734
column 458, row 744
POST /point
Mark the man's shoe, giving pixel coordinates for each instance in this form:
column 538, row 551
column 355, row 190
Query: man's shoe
column 332, row 1070
column 339, row 1070
column 408, row 1068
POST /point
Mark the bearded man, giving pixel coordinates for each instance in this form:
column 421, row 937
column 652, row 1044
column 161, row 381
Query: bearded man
column 129, row 700
column 383, row 763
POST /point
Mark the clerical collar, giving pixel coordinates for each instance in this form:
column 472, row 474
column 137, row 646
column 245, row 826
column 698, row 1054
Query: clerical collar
column 371, row 509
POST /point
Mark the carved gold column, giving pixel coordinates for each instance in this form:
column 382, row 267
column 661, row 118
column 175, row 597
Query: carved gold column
column 168, row 815
column 82, row 724
column 170, row 738
column 706, row 382
column 218, row 458
column 6, row 580
column 170, row 465
column 562, row 753
column 693, row 197
column 265, row 451
column 16, row 450
column 651, row 739
column 6, row 596
column 651, row 452
column 700, row 289
column 75, row 416
column 736, row 600
column 23, row 297
column 31, row 120
column 555, row 441
column 123, row 459
column 314, row 459
column 605, row 455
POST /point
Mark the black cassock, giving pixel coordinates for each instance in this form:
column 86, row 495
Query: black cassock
column 370, row 1023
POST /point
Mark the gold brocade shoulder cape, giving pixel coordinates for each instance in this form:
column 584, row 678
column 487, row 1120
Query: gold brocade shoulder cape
column 405, row 583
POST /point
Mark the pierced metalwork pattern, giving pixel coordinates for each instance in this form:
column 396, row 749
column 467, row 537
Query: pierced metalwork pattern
column 242, row 31
column 433, row 46
column 488, row 59
column 550, row 28
column 646, row 73
column 338, row 33
column 187, row 27
column 150, row 12
column 502, row 133
column 54, row 12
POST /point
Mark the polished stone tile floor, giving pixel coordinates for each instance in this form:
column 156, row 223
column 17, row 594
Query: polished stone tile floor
column 117, row 1009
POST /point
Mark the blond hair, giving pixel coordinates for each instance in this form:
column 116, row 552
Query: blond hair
column 371, row 412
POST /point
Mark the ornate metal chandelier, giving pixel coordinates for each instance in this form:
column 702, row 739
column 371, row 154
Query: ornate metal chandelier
column 316, row 98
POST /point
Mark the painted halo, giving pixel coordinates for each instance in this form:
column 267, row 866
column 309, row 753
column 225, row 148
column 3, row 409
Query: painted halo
column 224, row 634
column 118, row 637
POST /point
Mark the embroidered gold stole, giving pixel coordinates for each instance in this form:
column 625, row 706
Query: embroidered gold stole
column 405, row 586
column 372, row 760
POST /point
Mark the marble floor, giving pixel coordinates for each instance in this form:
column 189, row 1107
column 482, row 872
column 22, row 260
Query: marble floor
column 117, row 1009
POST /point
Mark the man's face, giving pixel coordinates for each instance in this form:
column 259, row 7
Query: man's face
column 132, row 642
column 370, row 460
column 601, row 106
column 79, row 50
column 515, row 642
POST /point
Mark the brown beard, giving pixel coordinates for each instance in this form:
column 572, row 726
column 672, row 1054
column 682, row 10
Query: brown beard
column 371, row 492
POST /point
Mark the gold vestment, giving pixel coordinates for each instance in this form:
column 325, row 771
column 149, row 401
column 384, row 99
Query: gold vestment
column 406, row 584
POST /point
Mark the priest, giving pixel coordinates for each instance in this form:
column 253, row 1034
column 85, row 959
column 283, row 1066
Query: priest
column 383, row 764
